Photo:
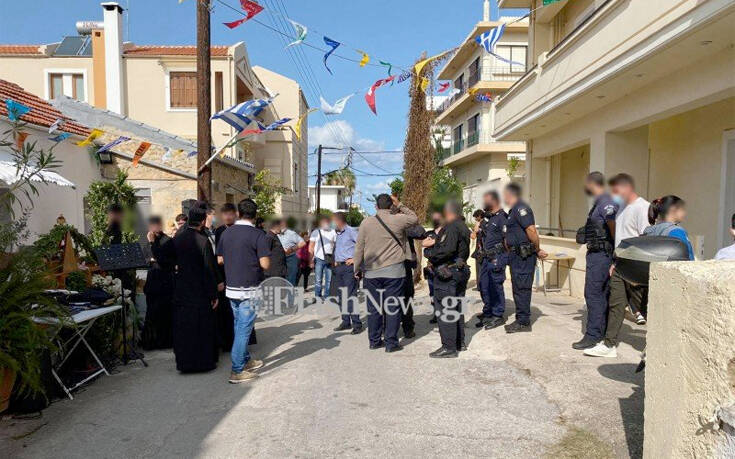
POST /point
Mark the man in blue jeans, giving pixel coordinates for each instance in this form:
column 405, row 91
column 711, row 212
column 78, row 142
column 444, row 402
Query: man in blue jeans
column 291, row 242
column 344, row 274
column 321, row 249
column 244, row 251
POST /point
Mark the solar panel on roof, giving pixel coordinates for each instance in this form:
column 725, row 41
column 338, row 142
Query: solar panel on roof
column 74, row 46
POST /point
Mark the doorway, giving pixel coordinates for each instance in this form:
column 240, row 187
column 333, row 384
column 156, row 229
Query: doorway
column 727, row 199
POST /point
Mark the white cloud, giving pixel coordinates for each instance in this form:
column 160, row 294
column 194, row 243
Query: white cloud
column 337, row 133
column 379, row 187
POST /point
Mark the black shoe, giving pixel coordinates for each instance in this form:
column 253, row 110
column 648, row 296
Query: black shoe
column 517, row 327
column 342, row 327
column 409, row 334
column 494, row 322
column 444, row 353
column 480, row 323
column 357, row 330
column 396, row 348
column 585, row 343
column 433, row 320
column 462, row 348
column 377, row 346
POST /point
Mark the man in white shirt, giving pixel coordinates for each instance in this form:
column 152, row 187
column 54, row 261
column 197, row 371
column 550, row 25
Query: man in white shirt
column 631, row 220
column 728, row 253
column 321, row 250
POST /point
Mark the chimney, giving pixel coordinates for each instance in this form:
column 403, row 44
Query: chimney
column 486, row 11
column 113, row 56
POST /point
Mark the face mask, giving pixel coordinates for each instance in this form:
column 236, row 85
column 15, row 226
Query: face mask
column 618, row 199
column 214, row 222
column 332, row 225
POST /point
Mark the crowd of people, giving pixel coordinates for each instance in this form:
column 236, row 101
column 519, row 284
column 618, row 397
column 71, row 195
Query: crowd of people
column 203, row 286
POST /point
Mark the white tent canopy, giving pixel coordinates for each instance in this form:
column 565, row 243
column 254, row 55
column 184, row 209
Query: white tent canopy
column 9, row 173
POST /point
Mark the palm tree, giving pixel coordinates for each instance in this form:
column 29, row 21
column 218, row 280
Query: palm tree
column 344, row 177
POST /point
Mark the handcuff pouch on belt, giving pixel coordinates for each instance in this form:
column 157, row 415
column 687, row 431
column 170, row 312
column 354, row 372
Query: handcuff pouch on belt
column 524, row 250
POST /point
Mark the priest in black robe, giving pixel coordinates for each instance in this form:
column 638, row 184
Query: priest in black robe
column 195, row 296
column 159, row 289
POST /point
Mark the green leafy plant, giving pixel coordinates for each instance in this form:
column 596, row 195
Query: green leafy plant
column 47, row 245
column 354, row 217
column 101, row 195
column 513, row 165
column 76, row 281
column 267, row 190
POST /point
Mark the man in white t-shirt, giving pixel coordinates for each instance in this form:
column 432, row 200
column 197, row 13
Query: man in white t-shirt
column 631, row 220
column 728, row 253
column 321, row 250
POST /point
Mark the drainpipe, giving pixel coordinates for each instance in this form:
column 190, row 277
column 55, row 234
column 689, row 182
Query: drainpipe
column 486, row 11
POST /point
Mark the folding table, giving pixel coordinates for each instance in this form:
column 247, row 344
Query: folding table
column 84, row 321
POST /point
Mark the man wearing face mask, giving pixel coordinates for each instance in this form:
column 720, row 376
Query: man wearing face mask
column 437, row 221
column 493, row 262
column 321, row 249
column 291, row 242
column 598, row 234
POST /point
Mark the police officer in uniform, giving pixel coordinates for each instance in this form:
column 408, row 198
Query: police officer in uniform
column 599, row 235
column 494, row 260
column 448, row 255
column 523, row 244
column 437, row 221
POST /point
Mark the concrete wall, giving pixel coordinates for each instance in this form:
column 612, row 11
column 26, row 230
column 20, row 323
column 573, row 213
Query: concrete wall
column 32, row 72
column 76, row 165
column 690, row 364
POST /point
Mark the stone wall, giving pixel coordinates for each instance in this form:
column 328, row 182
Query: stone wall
column 690, row 365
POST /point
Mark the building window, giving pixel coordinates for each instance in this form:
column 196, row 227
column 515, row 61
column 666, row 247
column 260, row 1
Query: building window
column 459, row 83
column 473, row 136
column 458, row 141
column 514, row 53
column 183, row 89
column 474, row 71
column 219, row 97
column 66, row 84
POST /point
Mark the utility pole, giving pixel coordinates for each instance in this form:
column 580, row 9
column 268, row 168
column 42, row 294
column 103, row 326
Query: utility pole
column 318, row 182
column 204, row 103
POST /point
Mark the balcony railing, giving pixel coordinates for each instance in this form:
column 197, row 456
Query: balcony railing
column 458, row 146
column 473, row 139
column 505, row 72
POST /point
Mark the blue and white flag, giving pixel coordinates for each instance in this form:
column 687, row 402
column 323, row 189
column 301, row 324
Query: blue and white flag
column 274, row 124
column 404, row 76
column 242, row 114
column 338, row 106
column 333, row 44
column 15, row 109
column 55, row 127
column 113, row 144
column 60, row 138
column 489, row 39
column 301, row 31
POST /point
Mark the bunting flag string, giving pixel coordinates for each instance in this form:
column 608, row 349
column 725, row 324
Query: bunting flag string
column 389, row 65
column 142, row 148
column 338, row 106
column 20, row 139
column 301, row 31
column 60, row 138
column 251, row 9
column 370, row 95
column 192, row 154
column 297, row 129
column 92, row 135
column 333, row 45
column 112, row 144
column 365, row 58
column 15, row 109
column 404, row 76
column 55, row 127
column 167, row 155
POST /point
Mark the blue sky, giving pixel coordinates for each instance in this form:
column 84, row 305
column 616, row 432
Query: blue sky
column 389, row 30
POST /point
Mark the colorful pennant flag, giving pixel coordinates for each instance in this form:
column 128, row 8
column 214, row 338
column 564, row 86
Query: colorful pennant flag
column 549, row 2
column 370, row 95
column 424, row 83
column 241, row 114
column 57, row 124
column 142, row 148
column 365, row 58
column 191, row 154
column 20, row 139
column 59, row 138
column 419, row 67
column 338, row 106
column 274, row 124
column 486, row 97
column 389, row 65
column 301, row 119
column 301, row 32
column 113, row 144
column 404, row 76
column 489, row 39
column 333, row 45
column 167, row 155
column 15, row 109
column 250, row 8
column 444, row 86
column 90, row 138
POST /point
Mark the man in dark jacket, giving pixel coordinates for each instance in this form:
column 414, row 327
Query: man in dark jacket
column 278, row 255
column 195, row 295
column 159, row 285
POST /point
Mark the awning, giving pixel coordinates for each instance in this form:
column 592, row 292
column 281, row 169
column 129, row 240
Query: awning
column 9, row 173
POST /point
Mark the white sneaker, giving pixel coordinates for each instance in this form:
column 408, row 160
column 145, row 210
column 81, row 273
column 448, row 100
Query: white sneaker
column 601, row 350
column 639, row 319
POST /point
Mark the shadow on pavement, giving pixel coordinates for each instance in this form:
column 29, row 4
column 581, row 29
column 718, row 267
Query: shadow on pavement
column 631, row 408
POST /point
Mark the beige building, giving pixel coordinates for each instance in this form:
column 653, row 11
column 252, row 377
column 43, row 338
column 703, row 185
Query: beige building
column 156, row 85
column 476, row 157
column 643, row 87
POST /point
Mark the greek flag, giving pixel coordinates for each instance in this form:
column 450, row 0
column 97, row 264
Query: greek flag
column 489, row 39
column 242, row 114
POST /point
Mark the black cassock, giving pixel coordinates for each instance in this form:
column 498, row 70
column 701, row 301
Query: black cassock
column 159, row 290
column 195, row 287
